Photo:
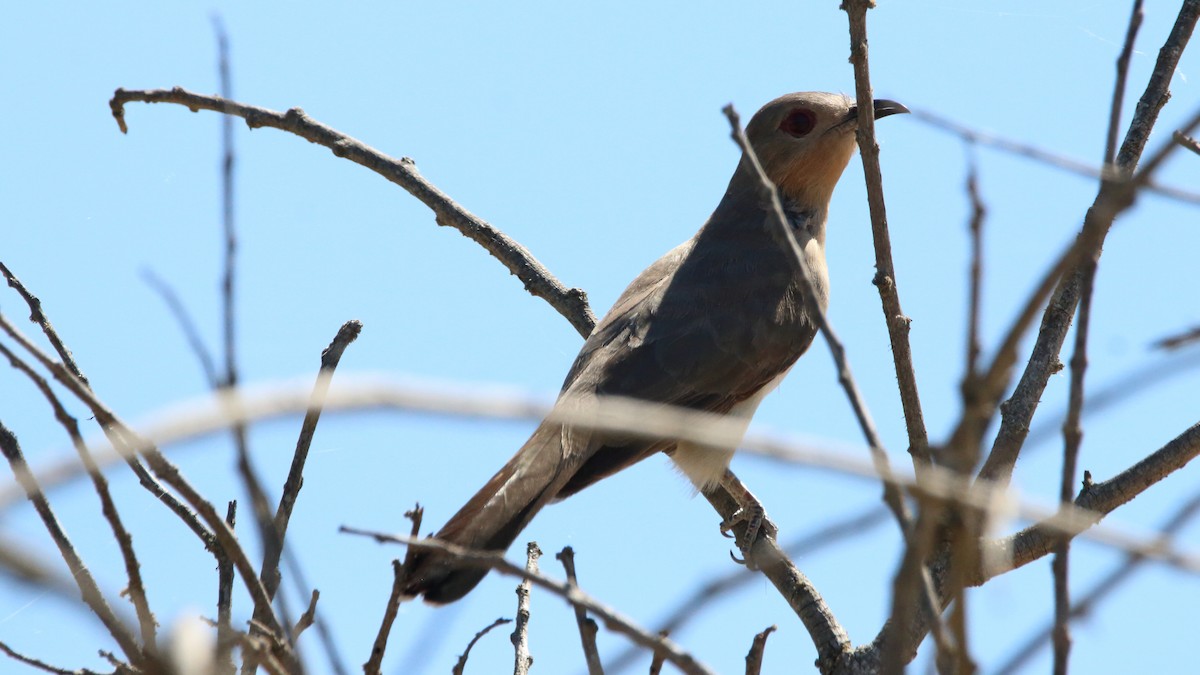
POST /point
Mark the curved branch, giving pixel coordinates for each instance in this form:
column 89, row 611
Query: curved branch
column 570, row 302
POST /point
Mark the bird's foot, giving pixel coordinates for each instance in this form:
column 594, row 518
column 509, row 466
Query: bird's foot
column 752, row 515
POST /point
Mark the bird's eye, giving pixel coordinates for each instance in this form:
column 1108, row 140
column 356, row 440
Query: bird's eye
column 798, row 122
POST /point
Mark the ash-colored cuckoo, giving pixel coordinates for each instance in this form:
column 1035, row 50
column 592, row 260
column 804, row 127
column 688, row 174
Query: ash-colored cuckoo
column 713, row 325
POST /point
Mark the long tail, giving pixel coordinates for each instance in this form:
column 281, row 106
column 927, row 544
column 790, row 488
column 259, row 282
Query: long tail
column 493, row 518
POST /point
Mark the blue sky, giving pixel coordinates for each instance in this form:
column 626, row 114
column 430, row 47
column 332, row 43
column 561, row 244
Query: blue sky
column 593, row 135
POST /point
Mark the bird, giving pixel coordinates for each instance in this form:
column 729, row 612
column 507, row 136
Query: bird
column 713, row 325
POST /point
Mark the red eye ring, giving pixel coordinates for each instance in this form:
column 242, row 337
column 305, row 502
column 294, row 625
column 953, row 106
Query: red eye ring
column 799, row 122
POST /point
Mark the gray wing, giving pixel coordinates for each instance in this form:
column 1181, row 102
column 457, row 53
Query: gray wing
column 703, row 327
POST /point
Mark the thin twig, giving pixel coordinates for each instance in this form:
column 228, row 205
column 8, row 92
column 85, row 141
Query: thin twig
column 885, row 273
column 71, row 371
column 1072, row 429
column 963, row 532
column 21, row 566
column 612, row 619
column 306, row 619
column 324, row 633
column 276, row 532
column 977, row 137
column 1117, row 390
column 191, row 332
column 225, row 631
column 1179, row 340
column 523, row 660
column 755, row 656
column 1118, row 99
column 571, row 303
column 136, row 588
column 37, row 316
column 375, row 661
column 1072, row 438
column 1094, row 503
column 1008, row 553
column 912, row 586
column 127, row 442
column 330, row 358
column 587, row 627
column 975, row 227
column 461, row 664
column 1113, row 198
column 11, row 449
column 228, row 159
column 42, row 665
column 1101, row 589
column 1186, row 141
column 373, row 664
column 1018, row 410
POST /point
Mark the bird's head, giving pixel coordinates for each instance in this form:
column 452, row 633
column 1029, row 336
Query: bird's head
column 804, row 141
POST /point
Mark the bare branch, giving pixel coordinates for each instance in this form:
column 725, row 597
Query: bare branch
column 587, row 627
column 698, row 600
column 11, row 450
column 571, row 303
column 306, row 619
column 1103, row 588
column 977, row 137
column 42, row 665
column 827, row 635
column 523, row 660
column 885, row 273
column 1072, row 438
column 1019, row 409
column 277, row 532
column 37, row 316
column 1098, row 500
column 1187, row 337
column 71, row 371
column 612, row 619
column 228, row 159
column 190, row 331
column 755, row 655
column 461, row 664
column 225, row 632
column 1118, row 99
column 136, row 588
column 129, row 444
column 375, row 662
column 975, row 227
column 1187, row 141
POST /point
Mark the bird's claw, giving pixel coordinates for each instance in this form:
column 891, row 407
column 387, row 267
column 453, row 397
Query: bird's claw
column 753, row 518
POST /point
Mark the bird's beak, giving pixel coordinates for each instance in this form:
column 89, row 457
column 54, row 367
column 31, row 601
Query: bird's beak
column 883, row 108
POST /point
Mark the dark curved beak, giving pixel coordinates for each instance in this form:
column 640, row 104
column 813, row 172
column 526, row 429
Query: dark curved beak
column 883, row 108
